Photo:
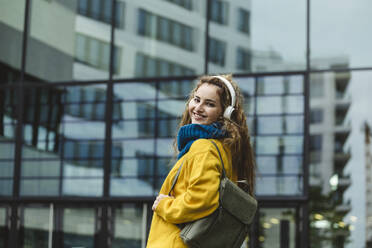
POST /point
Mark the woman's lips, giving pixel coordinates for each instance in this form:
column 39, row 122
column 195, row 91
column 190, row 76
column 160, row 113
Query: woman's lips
column 198, row 116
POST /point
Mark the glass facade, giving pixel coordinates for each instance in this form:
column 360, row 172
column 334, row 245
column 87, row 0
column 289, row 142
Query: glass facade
column 91, row 93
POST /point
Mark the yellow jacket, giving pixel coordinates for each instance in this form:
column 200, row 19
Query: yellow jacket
column 195, row 193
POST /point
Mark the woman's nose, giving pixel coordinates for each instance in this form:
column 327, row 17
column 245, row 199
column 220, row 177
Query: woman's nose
column 199, row 107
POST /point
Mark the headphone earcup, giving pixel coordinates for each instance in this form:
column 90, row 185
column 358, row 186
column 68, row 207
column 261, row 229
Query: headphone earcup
column 228, row 111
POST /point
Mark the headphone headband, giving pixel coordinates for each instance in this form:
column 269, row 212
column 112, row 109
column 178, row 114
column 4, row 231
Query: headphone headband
column 229, row 109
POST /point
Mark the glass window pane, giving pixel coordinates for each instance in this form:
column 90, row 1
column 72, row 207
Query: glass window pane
column 273, row 51
column 68, row 47
column 39, row 187
column 83, row 187
column 4, row 229
column 329, row 26
column 70, row 142
column 6, row 168
column 36, row 226
column 131, row 187
column 11, row 28
column 6, row 187
column 176, row 88
column 7, row 150
column 135, row 91
column 280, row 85
column 131, row 147
column 279, row 145
column 178, row 107
column 79, row 227
column 134, row 129
column 129, row 226
column 280, row 105
column 165, row 147
column 280, row 164
column 162, row 33
column 279, row 185
column 40, row 168
column 280, row 124
column 277, row 227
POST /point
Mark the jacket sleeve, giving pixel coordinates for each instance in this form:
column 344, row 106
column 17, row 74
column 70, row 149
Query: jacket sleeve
column 201, row 196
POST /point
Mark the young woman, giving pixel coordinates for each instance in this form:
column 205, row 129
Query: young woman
column 213, row 111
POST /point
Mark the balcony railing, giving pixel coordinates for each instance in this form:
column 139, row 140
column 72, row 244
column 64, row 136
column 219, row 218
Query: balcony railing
column 344, row 182
column 344, row 207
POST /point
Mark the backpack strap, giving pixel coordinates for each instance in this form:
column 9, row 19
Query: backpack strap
column 179, row 169
column 175, row 178
column 219, row 154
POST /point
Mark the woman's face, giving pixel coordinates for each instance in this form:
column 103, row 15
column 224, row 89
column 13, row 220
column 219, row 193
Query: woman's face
column 205, row 107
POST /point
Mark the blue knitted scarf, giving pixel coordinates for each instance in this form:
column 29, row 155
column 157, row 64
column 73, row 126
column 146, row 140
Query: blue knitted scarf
column 191, row 132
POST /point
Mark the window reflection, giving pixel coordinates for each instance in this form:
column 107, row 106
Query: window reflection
column 187, row 4
column 279, row 145
column 279, row 164
column 6, row 187
column 279, row 185
column 3, row 227
column 101, row 10
column 83, row 187
column 280, row 105
column 280, row 124
column 277, row 228
column 272, row 51
column 7, row 150
column 243, row 59
column 280, row 85
column 36, row 227
column 79, row 227
column 39, row 186
column 217, row 51
column 244, row 24
column 135, row 91
column 150, row 66
column 129, row 226
column 175, row 88
column 219, row 11
column 182, row 34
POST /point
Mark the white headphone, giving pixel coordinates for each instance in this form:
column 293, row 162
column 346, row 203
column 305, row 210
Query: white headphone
column 229, row 109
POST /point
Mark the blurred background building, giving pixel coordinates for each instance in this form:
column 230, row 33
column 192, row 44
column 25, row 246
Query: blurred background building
column 329, row 130
column 91, row 92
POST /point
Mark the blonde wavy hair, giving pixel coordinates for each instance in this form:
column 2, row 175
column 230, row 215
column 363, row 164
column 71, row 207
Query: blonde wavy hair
column 238, row 139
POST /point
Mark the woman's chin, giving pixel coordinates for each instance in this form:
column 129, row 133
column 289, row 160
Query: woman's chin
column 200, row 122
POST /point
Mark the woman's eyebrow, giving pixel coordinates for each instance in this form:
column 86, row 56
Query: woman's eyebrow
column 207, row 100
column 210, row 100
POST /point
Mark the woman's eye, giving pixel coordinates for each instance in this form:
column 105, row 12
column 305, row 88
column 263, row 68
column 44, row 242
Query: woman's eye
column 196, row 100
column 210, row 104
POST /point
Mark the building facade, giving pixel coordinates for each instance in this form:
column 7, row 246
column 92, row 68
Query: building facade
column 329, row 130
column 91, row 93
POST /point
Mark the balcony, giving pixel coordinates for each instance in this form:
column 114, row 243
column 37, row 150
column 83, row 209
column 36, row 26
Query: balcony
column 340, row 159
column 342, row 80
column 344, row 182
column 343, row 208
column 341, row 133
column 342, row 108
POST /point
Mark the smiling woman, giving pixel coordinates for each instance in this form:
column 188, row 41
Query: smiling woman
column 213, row 111
column 205, row 107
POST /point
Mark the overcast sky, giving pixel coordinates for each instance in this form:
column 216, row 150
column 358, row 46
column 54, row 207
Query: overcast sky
column 338, row 28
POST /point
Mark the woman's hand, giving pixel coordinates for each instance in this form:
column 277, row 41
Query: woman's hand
column 157, row 200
